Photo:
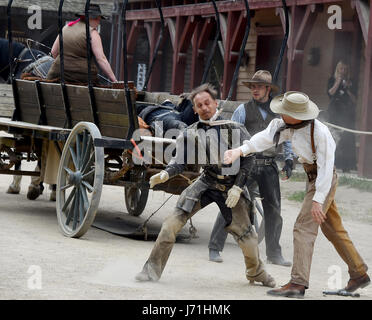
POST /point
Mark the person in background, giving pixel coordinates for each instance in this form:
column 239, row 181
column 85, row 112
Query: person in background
column 342, row 112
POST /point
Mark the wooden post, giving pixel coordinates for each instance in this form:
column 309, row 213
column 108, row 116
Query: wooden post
column 365, row 152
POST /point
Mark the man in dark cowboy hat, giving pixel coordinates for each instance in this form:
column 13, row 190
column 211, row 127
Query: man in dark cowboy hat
column 217, row 184
column 75, row 51
column 256, row 115
column 315, row 147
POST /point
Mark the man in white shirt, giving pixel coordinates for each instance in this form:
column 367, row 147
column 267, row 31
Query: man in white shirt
column 313, row 143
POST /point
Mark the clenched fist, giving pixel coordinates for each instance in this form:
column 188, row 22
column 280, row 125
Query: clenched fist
column 161, row 177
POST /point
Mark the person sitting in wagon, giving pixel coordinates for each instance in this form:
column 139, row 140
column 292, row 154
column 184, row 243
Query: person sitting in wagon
column 75, row 50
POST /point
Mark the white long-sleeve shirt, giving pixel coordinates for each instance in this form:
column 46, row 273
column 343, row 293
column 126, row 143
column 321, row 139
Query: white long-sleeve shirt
column 301, row 144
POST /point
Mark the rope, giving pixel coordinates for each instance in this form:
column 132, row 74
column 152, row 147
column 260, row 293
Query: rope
column 143, row 227
column 346, row 129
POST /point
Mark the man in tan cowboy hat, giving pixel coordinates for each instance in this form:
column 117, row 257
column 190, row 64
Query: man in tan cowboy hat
column 313, row 143
column 256, row 115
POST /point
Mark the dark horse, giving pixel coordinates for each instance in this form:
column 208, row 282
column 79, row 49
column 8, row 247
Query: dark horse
column 37, row 63
column 23, row 58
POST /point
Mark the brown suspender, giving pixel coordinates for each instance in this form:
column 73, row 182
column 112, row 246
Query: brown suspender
column 312, row 140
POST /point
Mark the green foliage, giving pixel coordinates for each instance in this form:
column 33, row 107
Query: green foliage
column 298, row 196
column 357, row 183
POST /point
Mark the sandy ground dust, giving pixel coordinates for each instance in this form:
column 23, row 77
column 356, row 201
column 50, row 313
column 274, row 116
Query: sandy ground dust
column 101, row 265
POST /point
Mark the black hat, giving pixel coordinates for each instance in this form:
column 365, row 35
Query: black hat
column 94, row 12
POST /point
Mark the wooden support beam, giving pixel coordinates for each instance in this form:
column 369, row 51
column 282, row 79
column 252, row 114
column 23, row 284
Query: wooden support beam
column 184, row 30
column 362, row 9
column 207, row 27
column 187, row 33
column 302, row 21
column 205, row 8
column 131, row 45
column 233, row 28
column 179, row 64
column 133, row 35
column 155, row 78
column 365, row 151
column 199, row 43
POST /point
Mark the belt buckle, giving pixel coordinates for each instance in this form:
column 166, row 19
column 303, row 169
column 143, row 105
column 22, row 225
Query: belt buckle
column 220, row 177
column 220, row 187
column 267, row 162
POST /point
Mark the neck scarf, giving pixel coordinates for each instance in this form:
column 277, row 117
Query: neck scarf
column 290, row 126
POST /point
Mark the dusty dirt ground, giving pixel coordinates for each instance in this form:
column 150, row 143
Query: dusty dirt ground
column 101, row 265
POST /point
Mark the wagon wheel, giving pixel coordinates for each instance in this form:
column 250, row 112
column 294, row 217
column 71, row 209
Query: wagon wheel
column 135, row 199
column 80, row 180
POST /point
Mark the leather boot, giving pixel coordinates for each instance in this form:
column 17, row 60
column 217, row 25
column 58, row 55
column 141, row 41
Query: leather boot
column 357, row 283
column 290, row 290
column 214, row 256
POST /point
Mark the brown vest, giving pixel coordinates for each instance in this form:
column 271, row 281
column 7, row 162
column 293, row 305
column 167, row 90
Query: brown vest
column 255, row 123
column 75, row 56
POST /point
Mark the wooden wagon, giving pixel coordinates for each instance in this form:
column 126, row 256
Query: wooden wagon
column 92, row 131
column 91, row 155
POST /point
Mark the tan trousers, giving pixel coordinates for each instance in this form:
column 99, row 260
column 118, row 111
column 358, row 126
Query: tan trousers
column 240, row 228
column 305, row 232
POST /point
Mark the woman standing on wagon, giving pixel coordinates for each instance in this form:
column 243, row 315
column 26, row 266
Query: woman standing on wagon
column 75, row 50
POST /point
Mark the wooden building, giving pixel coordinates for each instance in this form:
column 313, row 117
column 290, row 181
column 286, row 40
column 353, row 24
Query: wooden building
column 315, row 45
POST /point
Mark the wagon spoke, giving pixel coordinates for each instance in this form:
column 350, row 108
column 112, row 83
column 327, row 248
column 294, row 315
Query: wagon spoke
column 70, row 211
column 88, row 174
column 81, row 206
column 88, row 164
column 86, row 154
column 73, row 156
column 78, row 154
column 83, row 147
column 69, row 171
column 85, row 197
column 88, row 186
column 76, row 208
column 66, row 187
column 68, row 200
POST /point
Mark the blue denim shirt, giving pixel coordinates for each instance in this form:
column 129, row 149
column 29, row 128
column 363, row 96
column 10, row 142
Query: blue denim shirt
column 239, row 116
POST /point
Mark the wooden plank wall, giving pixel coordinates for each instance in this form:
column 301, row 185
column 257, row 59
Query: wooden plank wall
column 110, row 103
column 6, row 100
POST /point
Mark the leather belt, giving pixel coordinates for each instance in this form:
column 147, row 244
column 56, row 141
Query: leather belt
column 217, row 176
column 264, row 162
